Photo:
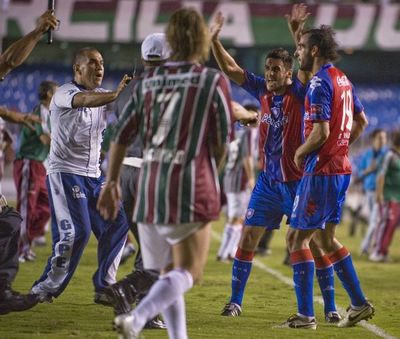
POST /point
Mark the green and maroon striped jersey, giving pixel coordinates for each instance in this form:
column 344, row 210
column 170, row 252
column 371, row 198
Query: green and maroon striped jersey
column 181, row 111
column 30, row 146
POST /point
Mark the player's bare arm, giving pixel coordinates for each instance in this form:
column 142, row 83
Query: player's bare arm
column 244, row 116
column 96, row 99
column 110, row 196
column 296, row 22
column 360, row 123
column 315, row 140
column 19, row 118
column 16, row 54
column 225, row 61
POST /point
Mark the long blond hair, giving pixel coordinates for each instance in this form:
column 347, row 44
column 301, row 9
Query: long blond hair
column 188, row 36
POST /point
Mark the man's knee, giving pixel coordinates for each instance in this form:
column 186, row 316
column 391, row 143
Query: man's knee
column 251, row 237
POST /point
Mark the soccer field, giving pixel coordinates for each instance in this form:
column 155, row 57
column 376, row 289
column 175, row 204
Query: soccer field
column 268, row 300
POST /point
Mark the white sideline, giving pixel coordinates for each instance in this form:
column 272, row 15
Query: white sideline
column 288, row 281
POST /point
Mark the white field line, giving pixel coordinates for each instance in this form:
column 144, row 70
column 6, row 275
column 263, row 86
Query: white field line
column 289, row 281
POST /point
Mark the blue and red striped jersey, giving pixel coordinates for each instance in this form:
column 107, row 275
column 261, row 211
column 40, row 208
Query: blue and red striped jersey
column 330, row 97
column 280, row 126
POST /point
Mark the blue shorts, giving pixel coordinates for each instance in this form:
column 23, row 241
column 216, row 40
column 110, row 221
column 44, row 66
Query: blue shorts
column 319, row 200
column 269, row 202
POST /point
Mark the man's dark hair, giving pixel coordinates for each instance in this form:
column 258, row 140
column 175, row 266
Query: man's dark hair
column 80, row 53
column 396, row 138
column 324, row 39
column 281, row 54
column 375, row 132
column 251, row 107
column 44, row 87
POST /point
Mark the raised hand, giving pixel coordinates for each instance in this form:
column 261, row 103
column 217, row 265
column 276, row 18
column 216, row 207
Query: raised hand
column 216, row 26
column 46, row 20
column 124, row 82
column 297, row 18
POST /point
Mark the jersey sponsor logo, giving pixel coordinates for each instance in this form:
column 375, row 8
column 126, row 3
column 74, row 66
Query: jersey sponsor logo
column 314, row 83
column 171, row 81
column 164, row 156
column 342, row 81
column 276, row 123
column 249, row 213
column 77, row 194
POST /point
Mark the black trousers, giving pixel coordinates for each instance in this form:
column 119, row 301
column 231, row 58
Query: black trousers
column 10, row 224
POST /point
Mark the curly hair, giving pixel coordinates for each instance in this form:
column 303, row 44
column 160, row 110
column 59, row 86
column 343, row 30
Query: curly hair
column 188, row 35
column 281, row 54
column 324, row 38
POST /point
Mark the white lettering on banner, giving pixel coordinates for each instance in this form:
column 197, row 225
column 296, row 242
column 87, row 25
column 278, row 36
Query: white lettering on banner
column 386, row 35
column 237, row 25
column 355, row 36
column 78, row 31
column 123, row 22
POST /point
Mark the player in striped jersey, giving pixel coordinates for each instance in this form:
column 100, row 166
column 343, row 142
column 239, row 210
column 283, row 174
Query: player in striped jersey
column 182, row 111
column 238, row 179
column 282, row 105
column 333, row 119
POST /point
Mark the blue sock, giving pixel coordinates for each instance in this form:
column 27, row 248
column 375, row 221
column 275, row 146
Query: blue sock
column 344, row 269
column 303, row 278
column 240, row 273
column 326, row 281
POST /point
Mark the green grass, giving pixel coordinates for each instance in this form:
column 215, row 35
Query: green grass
column 267, row 302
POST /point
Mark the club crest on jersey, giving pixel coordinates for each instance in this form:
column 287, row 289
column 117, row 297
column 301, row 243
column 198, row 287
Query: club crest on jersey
column 77, row 194
column 314, row 83
column 249, row 213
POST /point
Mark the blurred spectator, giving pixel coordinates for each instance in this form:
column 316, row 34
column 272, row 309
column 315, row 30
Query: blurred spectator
column 368, row 169
column 388, row 198
column 30, row 174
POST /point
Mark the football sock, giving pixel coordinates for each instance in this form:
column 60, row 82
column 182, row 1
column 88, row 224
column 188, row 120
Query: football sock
column 240, row 273
column 175, row 319
column 223, row 250
column 344, row 268
column 326, row 281
column 303, row 277
column 235, row 238
column 165, row 291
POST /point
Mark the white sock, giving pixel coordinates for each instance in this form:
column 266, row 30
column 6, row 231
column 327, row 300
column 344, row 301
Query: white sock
column 175, row 319
column 226, row 238
column 162, row 294
column 235, row 238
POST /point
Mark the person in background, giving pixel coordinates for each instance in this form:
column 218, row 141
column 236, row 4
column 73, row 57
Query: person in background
column 10, row 220
column 388, row 199
column 367, row 173
column 30, row 174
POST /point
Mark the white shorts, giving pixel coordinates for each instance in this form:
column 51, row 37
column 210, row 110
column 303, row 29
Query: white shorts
column 237, row 204
column 156, row 242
